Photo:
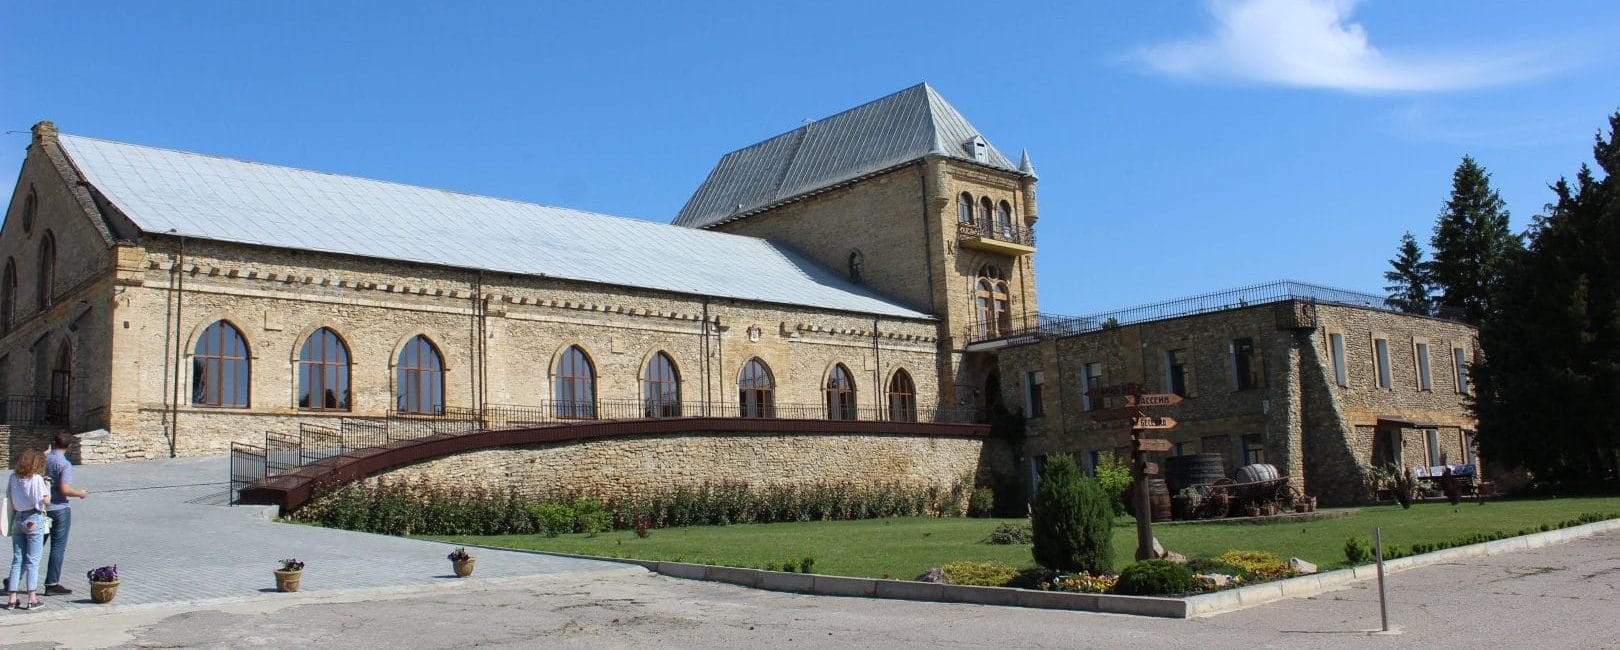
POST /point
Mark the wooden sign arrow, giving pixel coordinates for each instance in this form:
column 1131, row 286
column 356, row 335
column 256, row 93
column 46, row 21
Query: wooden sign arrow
column 1152, row 444
column 1104, row 415
column 1154, row 399
column 1150, row 469
column 1152, row 423
column 1117, row 390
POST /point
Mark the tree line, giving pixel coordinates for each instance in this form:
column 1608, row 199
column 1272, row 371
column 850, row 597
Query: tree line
column 1546, row 374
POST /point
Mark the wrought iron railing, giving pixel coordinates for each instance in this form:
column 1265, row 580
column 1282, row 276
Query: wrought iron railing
column 1000, row 232
column 284, row 451
column 27, row 409
column 1054, row 325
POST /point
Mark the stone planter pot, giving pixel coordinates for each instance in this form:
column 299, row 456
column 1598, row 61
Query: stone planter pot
column 463, row 568
column 288, row 580
column 103, row 592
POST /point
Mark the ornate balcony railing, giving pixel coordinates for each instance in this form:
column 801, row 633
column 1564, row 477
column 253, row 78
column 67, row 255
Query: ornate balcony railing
column 27, row 409
column 996, row 232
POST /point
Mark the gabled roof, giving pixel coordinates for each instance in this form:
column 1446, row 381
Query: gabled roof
column 894, row 130
column 174, row 192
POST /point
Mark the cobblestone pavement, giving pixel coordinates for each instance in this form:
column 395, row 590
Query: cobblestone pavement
column 1555, row 597
column 165, row 525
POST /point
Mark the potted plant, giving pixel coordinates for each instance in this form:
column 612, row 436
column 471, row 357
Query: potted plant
column 287, row 577
column 461, row 562
column 103, row 583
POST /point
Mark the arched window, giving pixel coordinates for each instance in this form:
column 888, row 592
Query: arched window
column 575, row 390
column 323, row 372
column 756, row 391
column 8, row 297
column 661, row 388
column 964, row 208
column 30, row 208
column 221, row 369
column 902, row 398
column 994, row 317
column 47, row 270
column 985, row 209
column 840, row 394
column 1004, row 225
column 56, row 409
column 419, row 378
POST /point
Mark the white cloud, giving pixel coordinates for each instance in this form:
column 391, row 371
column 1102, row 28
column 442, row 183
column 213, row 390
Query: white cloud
column 1314, row 44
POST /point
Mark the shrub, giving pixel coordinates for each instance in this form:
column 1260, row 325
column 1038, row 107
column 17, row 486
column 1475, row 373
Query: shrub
column 1008, row 533
column 592, row 523
column 1357, row 550
column 552, row 519
column 1085, row 583
column 1257, row 564
column 807, row 564
column 980, row 574
column 1071, row 521
column 643, row 528
column 1114, row 475
column 1154, row 577
column 1405, row 487
column 982, row 502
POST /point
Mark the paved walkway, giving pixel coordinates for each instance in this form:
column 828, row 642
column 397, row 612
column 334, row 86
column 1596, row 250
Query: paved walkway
column 1563, row 596
column 165, row 525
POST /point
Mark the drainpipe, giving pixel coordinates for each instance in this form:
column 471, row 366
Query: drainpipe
column 179, row 345
column 703, row 349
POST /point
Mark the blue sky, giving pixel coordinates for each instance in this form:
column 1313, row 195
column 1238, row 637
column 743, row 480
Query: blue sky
column 1183, row 147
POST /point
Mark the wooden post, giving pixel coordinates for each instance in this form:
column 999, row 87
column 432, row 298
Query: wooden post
column 1144, row 505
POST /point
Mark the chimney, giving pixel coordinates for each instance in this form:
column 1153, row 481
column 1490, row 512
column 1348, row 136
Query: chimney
column 45, row 132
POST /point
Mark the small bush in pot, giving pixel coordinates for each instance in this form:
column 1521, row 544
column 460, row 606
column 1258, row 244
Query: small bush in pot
column 103, row 583
column 289, row 575
column 461, row 562
column 1154, row 577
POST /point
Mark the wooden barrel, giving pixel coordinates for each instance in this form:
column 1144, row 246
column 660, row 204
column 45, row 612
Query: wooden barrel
column 1256, row 473
column 1193, row 469
column 1158, row 499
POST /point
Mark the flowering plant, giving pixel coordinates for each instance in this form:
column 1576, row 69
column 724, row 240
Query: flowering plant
column 103, row 574
column 1085, row 583
column 459, row 555
column 292, row 564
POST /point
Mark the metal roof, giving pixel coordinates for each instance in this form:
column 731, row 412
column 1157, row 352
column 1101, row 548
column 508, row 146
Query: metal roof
column 884, row 133
column 196, row 195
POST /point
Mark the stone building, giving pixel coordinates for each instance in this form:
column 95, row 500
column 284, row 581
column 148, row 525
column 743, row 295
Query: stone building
column 1324, row 384
column 875, row 265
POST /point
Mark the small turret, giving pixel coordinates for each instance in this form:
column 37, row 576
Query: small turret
column 1027, row 167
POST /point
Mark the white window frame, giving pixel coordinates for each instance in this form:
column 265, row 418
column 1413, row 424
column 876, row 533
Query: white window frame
column 1459, row 359
column 1384, row 375
column 1341, row 373
column 1420, row 352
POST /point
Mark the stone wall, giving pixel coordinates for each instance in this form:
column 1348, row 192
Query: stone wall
column 1319, row 433
column 619, row 467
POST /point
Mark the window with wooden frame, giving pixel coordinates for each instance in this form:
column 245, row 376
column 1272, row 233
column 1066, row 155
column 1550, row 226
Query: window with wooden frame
column 574, row 385
column 1004, row 220
column 902, row 397
column 1091, row 376
column 323, row 372
column 964, row 208
column 756, row 390
column 1175, row 371
column 419, row 381
column 993, row 302
column 1245, row 371
column 840, row 393
column 661, row 388
column 221, row 368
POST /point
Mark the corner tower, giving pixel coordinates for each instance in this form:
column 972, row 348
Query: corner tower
column 909, row 199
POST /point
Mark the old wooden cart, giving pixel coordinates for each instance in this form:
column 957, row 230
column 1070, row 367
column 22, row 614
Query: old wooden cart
column 1259, row 486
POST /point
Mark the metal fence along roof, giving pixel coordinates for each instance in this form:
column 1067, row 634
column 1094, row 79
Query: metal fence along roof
column 166, row 191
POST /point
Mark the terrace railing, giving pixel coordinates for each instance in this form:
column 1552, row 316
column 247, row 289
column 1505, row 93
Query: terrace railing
column 28, row 409
column 1052, row 325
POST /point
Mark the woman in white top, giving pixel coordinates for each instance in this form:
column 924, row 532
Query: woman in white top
column 29, row 498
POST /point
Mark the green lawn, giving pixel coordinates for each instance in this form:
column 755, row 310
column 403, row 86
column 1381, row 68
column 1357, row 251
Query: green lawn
column 905, row 547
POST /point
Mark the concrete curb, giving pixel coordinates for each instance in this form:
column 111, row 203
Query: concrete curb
column 1231, row 600
column 1198, row 606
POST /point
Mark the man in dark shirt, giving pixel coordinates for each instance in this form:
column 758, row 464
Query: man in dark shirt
column 60, row 473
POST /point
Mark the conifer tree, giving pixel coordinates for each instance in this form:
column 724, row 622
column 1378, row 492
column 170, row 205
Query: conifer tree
column 1410, row 279
column 1549, row 375
column 1471, row 243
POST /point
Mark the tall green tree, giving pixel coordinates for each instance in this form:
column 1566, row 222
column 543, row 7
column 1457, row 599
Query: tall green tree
column 1071, row 520
column 1472, row 243
column 1548, row 381
column 1410, row 279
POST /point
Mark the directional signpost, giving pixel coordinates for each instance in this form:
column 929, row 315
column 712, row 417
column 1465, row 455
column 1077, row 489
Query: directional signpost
column 1135, row 401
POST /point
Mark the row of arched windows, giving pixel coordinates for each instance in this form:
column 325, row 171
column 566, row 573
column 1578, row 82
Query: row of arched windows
column 980, row 213
column 222, row 369
column 44, row 285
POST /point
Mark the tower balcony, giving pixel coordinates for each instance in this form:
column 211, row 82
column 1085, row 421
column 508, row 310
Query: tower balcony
column 1006, row 239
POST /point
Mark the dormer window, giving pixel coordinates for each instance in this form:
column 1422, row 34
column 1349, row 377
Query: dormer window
column 978, row 149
